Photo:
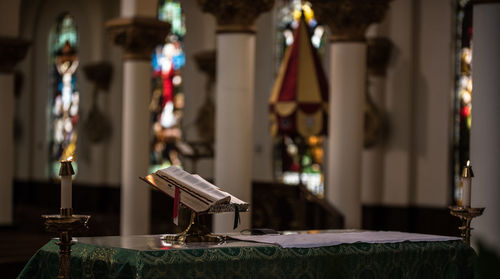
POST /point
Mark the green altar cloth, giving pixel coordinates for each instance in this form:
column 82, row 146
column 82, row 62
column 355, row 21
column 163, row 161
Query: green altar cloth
column 94, row 259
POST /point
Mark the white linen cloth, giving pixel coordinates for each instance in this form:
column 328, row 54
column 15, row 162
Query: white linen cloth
column 309, row 240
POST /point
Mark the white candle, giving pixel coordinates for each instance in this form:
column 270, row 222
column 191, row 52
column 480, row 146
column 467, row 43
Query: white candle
column 66, row 172
column 460, row 200
column 66, row 195
column 466, row 181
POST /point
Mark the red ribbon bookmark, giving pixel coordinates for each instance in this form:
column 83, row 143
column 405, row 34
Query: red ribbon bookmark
column 177, row 199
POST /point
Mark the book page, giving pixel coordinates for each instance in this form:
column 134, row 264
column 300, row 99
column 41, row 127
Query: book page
column 233, row 198
column 193, row 202
column 192, row 196
column 196, row 183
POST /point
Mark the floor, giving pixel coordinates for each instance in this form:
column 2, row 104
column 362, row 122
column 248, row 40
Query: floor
column 16, row 248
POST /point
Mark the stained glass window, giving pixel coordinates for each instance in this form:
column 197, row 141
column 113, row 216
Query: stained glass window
column 463, row 92
column 64, row 95
column 167, row 99
column 296, row 159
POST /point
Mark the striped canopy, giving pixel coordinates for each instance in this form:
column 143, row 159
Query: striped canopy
column 299, row 100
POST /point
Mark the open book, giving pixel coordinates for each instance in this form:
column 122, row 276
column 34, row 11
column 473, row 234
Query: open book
column 196, row 193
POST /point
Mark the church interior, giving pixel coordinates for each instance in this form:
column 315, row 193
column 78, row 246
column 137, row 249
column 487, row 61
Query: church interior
column 321, row 114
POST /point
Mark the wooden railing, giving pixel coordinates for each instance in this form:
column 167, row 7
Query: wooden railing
column 290, row 207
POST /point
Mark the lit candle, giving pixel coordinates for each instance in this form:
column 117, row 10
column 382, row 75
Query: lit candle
column 466, row 181
column 66, row 171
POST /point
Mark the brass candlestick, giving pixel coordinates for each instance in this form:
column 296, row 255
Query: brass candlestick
column 466, row 214
column 65, row 224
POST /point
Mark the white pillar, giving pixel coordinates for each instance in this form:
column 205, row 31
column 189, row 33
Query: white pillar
column 135, row 197
column 234, row 122
column 234, row 92
column 345, row 129
column 485, row 134
column 372, row 170
column 138, row 32
column 347, row 89
column 6, row 148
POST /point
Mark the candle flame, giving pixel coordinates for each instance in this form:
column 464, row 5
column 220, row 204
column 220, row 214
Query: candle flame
column 468, row 163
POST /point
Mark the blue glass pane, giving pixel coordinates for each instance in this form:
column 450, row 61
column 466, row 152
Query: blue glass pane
column 179, row 60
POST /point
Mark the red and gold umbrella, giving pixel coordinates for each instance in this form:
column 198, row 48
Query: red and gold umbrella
column 299, row 100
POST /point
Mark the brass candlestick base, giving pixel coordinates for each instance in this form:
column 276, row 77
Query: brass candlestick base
column 466, row 214
column 194, row 233
column 65, row 224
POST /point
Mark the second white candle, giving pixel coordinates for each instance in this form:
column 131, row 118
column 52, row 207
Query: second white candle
column 66, row 191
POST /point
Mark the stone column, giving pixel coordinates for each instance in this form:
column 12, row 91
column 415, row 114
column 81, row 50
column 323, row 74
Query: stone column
column 234, row 98
column 12, row 51
column 348, row 21
column 138, row 36
column 485, row 133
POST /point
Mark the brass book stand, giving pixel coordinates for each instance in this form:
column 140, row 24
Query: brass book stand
column 195, row 232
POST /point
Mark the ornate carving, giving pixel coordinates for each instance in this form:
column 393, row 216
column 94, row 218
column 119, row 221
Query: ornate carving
column 205, row 118
column 378, row 55
column 475, row 2
column 138, row 35
column 97, row 125
column 375, row 124
column 348, row 19
column 12, row 51
column 206, row 63
column 99, row 73
column 235, row 16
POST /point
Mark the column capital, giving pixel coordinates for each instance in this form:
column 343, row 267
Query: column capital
column 236, row 16
column 348, row 19
column 138, row 36
column 12, row 51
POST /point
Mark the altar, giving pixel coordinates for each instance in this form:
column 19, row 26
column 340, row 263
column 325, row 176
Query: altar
column 384, row 255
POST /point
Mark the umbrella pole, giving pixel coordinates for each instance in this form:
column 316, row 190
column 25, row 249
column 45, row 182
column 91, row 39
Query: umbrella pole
column 300, row 144
column 278, row 170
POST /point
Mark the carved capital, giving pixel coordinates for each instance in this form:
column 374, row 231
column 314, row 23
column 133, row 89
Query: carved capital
column 138, row 36
column 378, row 55
column 348, row 19
column 235, row 16
column 12, row 51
